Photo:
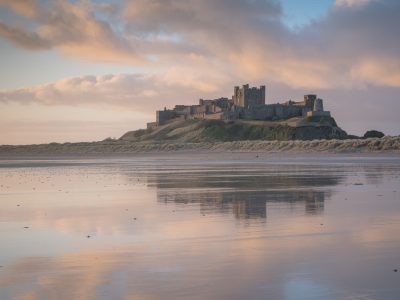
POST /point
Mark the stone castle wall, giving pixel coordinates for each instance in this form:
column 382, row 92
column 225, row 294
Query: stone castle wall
column 268, row 112
column 246, row 103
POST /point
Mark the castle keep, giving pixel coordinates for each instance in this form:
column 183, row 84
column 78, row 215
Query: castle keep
column 247, row 103
column 246, row 97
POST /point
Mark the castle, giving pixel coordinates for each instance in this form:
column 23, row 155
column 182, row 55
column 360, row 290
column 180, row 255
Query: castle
column 247, row 103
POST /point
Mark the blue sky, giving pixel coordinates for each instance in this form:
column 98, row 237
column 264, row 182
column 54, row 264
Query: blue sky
column 298, row 13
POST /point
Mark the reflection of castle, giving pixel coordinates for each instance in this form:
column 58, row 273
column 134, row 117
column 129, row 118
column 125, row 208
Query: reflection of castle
column 244, row 209
column 246, row 103
column 246, row 204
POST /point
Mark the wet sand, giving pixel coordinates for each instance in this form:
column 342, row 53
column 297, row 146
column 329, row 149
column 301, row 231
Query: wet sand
column 205, row 226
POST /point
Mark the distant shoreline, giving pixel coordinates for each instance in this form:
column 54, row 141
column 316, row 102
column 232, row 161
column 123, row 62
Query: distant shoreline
column 120, row 147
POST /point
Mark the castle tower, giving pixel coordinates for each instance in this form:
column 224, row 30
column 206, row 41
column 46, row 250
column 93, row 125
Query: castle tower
column 238, row 96
column 262, row 96
column 318, row 109
column 309, row 101
column 318, row 105
column 246, row 96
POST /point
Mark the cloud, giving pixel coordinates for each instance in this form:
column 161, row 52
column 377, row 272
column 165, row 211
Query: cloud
column 386, row 72
column 351, row 3
column 139, row 92
column 190, row 17
column 26, row 8
column 71, row 28
column 245, row 40
column 249, row 39
column 27, row 40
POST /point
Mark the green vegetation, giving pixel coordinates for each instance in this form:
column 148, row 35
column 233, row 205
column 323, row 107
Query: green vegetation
column 240, row 130
column 328, row 121
column 234, row 131
column 373, row 134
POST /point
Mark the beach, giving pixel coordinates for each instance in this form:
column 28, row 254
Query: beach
column 200, row 226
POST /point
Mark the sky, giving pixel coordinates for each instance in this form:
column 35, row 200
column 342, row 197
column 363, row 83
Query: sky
column 86, row 70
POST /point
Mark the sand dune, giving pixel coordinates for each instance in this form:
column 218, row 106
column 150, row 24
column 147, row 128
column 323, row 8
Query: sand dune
column 386, row 144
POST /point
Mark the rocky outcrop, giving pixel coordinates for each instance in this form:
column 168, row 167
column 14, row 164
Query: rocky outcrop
column 216, row 130
column 317, row 133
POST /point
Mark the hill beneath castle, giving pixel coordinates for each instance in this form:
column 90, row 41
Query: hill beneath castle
column 240, row 130
column 297, row 135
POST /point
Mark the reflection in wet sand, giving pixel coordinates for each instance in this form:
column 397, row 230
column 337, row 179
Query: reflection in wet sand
column 246, row 192
column 179, row 228
column 245, row 204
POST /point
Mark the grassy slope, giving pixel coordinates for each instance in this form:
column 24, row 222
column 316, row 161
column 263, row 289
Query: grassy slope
column 121, row 147
column 215, row 130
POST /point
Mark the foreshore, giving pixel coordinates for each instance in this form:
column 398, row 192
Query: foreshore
column 372, row 145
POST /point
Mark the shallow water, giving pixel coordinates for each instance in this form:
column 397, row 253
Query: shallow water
column 206, row 226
